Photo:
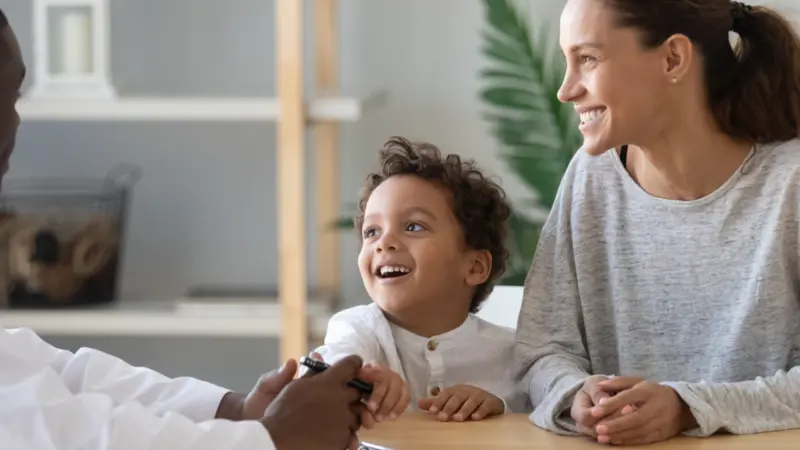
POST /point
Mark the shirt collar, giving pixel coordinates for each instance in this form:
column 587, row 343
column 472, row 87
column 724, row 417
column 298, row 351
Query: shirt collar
column 447, row 339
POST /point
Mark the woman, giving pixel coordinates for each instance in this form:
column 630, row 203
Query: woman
column 671, row 260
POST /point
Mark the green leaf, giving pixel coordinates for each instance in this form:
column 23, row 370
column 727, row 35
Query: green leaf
column 523, row 237
column 537, row 135
column 508, row 75
column 343, row 223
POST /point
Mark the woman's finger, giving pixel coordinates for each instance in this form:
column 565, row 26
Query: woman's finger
column 618, row 384
column 613, row 404
column 638, row 419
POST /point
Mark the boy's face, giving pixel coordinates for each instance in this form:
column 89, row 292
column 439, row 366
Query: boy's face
column 12, row 72
column 413, row 255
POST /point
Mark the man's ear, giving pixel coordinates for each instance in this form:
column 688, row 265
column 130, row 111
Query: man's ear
column 480, row 267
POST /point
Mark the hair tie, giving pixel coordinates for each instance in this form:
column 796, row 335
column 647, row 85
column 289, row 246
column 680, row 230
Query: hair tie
column 741, row 14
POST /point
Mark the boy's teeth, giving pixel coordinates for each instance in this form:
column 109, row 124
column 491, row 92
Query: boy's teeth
column 394, row 269
column 592, row 115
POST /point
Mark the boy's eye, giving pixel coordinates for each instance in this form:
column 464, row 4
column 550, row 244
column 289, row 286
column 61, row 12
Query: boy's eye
column 369, row 232
column 414, row 227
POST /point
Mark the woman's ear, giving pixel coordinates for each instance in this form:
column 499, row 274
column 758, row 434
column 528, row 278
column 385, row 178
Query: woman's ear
column 678, row 57
column 480, row 267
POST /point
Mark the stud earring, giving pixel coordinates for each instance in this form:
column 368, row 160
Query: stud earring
column 674, row 80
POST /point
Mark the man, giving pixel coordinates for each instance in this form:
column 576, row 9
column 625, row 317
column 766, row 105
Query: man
column 52, row 399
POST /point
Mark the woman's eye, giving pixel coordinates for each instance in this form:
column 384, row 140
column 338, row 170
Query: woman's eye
column 369, row 232
column 586, row 59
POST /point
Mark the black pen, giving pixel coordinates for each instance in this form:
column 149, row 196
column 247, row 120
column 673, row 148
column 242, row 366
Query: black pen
column 320, row 366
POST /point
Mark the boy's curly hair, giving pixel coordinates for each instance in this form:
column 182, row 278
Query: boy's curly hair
column 478, row 203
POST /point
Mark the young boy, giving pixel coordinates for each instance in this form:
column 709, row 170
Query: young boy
column 432, row 231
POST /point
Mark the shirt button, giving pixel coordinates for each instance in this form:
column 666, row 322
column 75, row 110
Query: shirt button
column 432, row 345
column 435, row 391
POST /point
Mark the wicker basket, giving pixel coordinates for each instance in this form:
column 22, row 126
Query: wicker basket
column 61, row 239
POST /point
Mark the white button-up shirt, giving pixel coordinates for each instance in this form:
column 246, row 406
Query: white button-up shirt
column 477, row 353
column 51, row 399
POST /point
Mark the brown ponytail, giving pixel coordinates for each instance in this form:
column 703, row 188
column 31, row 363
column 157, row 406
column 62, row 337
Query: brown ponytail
column 762, row 102
column 754, row 87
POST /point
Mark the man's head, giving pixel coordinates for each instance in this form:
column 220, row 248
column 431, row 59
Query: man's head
column 12, row 72
column 433, row 229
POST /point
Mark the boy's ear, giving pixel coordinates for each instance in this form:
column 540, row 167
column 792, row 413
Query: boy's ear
column 480, row 268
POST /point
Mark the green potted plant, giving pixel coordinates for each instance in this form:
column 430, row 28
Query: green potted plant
column 536, row 134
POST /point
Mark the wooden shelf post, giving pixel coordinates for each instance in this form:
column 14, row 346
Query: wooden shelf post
column 292, row 285
column 326, row 154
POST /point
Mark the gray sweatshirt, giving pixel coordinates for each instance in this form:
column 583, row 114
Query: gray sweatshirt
column 701, row 295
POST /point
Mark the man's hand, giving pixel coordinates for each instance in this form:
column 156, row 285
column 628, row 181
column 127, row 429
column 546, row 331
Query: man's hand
column 586, row 398
column 236, row 406
column 317, row 411
column 266, row 389
column 650, row 412
column 462, row 402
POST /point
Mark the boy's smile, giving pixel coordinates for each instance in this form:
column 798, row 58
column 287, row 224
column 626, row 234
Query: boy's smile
column 389, row 272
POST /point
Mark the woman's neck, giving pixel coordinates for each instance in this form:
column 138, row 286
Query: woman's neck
column 687, row 164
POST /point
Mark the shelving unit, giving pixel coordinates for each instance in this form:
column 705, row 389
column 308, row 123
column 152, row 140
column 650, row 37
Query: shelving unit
column 160, row 318
column 335, row 109
column 293, row 320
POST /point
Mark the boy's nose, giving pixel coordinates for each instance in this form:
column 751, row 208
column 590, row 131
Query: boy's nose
column 388, row 247
column 387, row 243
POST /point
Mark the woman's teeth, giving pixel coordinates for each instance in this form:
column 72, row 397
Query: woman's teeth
column 590, row 116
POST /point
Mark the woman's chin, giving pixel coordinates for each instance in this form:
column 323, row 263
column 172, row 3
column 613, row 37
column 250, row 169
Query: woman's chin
column 595, row 147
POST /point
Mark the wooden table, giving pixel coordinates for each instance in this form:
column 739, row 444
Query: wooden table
column 419, row 431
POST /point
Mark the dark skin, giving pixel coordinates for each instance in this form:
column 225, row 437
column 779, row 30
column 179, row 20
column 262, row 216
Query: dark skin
column 12, row 73
column 285, row 406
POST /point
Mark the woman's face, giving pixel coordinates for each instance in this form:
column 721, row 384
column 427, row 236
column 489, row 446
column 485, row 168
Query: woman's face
column 619, row 88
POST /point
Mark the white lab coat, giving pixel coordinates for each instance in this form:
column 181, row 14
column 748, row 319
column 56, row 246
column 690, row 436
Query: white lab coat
column 51, row 399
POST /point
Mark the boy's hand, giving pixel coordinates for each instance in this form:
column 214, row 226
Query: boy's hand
column 389, row 397
column 462, row 402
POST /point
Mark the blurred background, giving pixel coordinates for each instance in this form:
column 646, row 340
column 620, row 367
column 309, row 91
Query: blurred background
column 204, row 211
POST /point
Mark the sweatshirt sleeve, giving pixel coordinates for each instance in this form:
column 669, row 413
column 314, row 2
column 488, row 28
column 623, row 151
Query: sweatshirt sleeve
column 746, row 407
column 551, row 357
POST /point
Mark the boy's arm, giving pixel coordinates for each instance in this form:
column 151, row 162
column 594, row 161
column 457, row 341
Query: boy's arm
column 349, row 333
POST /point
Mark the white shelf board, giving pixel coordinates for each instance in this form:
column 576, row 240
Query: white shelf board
column 154, row 318
column 226, row 109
